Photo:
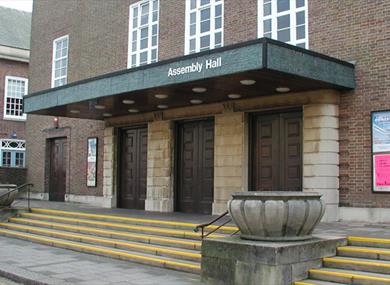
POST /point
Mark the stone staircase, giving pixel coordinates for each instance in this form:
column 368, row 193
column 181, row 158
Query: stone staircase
column 168, row 244
column 363, row 261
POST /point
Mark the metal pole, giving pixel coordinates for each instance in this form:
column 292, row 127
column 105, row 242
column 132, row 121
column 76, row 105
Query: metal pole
column 28, row 198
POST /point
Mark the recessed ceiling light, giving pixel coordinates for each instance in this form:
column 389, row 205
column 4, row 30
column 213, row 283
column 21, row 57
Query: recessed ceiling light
column 133, row 110
column 234, row 96
column 100, row 107
column 128, row 102
column 247, row 82
column 75, row 111
column 161, row 96
column 196, row 101
column 199, row 89
column 107, row 115
column 162, row 106
column 282, row 89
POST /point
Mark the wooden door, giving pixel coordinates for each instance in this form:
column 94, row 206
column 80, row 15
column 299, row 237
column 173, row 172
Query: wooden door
column 277, row 152
column 195, row 174
column 133, row 168
column 57, row 179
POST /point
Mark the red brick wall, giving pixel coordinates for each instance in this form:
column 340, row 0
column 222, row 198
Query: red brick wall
column 10, row 68
column 13, row 175
column 351, row 30
column 356, row 30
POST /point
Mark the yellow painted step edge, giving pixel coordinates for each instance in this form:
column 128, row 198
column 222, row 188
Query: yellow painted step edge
column 349, row 275
column 102, row 240
column 357, row 262
column 365, row 250
column 368, row 239
column 93, row 230
column 158, row 222
column 102, row 250
column 123, row 226
column 302, row 283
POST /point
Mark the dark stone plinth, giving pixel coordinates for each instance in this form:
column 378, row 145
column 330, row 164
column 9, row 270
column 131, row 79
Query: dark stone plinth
column 236, row 261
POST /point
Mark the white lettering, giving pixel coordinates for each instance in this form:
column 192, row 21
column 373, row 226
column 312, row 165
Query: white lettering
column 195, row 67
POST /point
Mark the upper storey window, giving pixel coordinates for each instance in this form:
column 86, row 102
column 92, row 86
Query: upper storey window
column 60, row 61
column 15, row 89
column 143, row 33
column 204, row 25
column 284, row 20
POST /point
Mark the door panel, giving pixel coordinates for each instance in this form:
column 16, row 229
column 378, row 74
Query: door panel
column 57, row 179
column 276, row 149
column 195, row 166
column 133, row 168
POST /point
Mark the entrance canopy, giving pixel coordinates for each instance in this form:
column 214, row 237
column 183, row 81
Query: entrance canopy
column 256, row 68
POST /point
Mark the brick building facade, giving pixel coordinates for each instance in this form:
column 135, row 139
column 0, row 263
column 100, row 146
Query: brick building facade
column 333, row 123
column 14, row 57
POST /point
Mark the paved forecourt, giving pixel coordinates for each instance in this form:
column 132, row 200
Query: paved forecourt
column 31, row 263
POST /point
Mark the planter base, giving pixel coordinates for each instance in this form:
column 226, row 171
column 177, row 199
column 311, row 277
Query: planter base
column 276, row 239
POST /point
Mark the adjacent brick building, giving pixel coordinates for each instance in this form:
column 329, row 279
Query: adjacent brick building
column 15, row 28
column 188, row 107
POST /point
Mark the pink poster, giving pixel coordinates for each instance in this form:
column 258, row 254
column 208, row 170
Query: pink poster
column 382, row 172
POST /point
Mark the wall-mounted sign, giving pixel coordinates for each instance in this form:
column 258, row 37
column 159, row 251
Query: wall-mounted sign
column 381, row 132
column 91, row 162
column 380, row 127
column 197, row 66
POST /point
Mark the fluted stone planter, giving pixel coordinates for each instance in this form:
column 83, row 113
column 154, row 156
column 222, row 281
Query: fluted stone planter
column 276, row 216
column 7, row 199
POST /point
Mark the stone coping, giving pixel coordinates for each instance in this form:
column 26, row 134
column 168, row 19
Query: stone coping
column 279, row 195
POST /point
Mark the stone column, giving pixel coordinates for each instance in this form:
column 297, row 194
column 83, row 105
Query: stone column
column 321, row 154
column 109, row 167
column 230, row 158
column 159, row 192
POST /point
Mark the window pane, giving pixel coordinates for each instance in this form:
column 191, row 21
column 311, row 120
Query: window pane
column 155, row 5
column 267, row 25
column 144, row 43
column 300, row 18
column 154, row 55
column 283, row 5
column 154, row 30
column 300, row 3
column 144, row 19
column 218, row 10
column 192, row 30
column 192, row 44
column 205, row 41
column 144, row 33
column 193, row 4
column 218, row 23
column 154, row 41
column 193, row 18
column 267, row 9
column 300, row 32
column 301, row 45
column 134, row 59
column 205, row 26
column 135, row 12
column 283, row 22
column 218, row 38
column 284, row 35
column 155, row 16
column 134, row 46
column 204, row 2
column 205, row 14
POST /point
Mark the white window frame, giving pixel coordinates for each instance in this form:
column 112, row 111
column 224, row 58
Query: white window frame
column 13, row 117
column 54, row 59
column 274, row 16
column 13, row 146
column 198, row 34
column 149, row 24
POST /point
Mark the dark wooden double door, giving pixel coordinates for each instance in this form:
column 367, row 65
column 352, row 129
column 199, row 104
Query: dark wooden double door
column 132, row 193
column 277, row 152
column 57, row 178
column 195, row 169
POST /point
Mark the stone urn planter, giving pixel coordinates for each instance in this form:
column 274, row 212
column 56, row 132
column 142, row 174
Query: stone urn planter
column 276, row 216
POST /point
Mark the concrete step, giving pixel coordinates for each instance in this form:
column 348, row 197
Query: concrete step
column 360, row 264
column 143, row 238
column 349, row 276
column 165, row 262
column 181, row 254
column 132, row 220
column 364, row 252
column 120, row 227
column 369, row 242
column 317, row 282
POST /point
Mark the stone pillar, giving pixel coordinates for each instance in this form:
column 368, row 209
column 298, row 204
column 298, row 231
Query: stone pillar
column 109, row 168
column 321, row 154
column 159, row 191
column 230, row 158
